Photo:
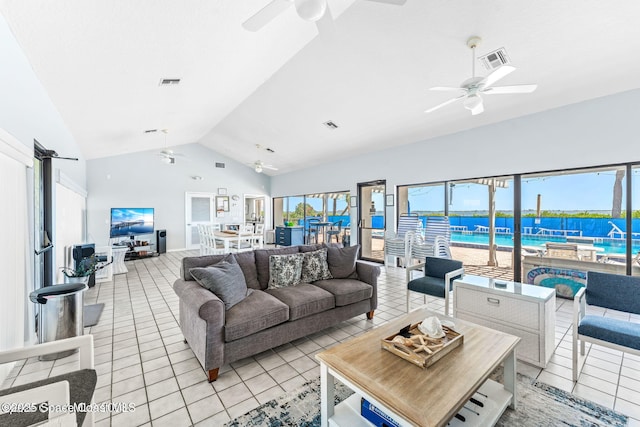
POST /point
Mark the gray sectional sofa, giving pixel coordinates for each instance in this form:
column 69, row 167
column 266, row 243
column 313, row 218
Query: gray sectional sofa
column 267, row 318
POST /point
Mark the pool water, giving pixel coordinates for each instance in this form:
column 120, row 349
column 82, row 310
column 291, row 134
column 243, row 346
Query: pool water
column 610, row 246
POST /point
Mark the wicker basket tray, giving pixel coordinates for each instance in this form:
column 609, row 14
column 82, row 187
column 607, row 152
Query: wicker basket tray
column 432, row 349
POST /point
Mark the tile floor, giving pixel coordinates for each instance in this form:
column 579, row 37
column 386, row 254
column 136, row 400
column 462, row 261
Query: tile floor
column 141, row 358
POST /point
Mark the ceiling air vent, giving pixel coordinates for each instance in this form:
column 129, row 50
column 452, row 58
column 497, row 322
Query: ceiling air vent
column 169, row 82
column 151, row 130
column 331, row 125
column 495, row 59
column 220, row 165
column 270, row 150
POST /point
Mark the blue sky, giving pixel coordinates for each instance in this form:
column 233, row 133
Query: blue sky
column 591, row 191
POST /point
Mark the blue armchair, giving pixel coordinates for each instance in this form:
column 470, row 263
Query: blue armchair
column 610, row 291
column 439, row 274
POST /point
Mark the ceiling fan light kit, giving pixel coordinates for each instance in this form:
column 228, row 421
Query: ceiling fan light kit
column 472, row 88
column 310, row 10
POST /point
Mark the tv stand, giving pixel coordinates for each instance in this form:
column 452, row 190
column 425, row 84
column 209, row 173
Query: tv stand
column 137, row 249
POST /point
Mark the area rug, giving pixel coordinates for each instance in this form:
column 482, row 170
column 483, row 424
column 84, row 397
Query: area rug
column 91, row 314
column 539, row 404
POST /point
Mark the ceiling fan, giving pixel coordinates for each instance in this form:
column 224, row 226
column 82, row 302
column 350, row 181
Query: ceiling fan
column 259, row 166
column 310, row 10
column 167, row 155
column 473, row 87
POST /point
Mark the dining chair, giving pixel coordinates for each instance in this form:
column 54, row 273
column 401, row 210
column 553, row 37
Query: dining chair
column 312, row 230
column 334, row 230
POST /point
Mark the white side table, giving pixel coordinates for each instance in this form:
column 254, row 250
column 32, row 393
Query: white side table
column 526, row 311
column 118, row 259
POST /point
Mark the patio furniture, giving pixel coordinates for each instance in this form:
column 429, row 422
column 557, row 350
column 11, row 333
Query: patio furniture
column 615, row 230
column 334, row 230
column 438, row 233
column 75, row 387
column 397, row 244
column 312, row 230
column 439, row 274
column 562, row 250
column 609, row 291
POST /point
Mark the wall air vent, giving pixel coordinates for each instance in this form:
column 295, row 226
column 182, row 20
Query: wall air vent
column 151, row 130
column 330, row 125
column 169, row 82
column 220, row 165
column 495, row 59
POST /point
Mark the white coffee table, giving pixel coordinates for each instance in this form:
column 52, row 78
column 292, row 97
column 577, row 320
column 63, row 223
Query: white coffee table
column 415, row 396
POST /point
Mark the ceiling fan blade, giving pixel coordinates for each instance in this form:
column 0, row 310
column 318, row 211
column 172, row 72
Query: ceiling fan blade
column 269, row 167
column 478, row 110
column 498, row 74
column 451, row 101
column 499, row 90
column 396, row 2
column 266, row 15
column 446, row 89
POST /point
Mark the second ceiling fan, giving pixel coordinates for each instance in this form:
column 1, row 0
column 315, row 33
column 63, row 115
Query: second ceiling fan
column 472, row 88
column 310, row 10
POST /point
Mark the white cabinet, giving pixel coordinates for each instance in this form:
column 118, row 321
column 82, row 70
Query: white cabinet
column 523, row 310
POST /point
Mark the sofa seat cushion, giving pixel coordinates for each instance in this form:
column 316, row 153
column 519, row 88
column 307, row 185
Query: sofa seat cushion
column 304, row 299
column 256, row 312
column 615, row 331
column 433, row 286
column 346, row 291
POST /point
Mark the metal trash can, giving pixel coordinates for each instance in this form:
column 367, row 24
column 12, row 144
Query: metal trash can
column 60, row 314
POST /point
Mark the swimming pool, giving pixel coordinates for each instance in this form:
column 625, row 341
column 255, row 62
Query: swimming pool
column 610, row 246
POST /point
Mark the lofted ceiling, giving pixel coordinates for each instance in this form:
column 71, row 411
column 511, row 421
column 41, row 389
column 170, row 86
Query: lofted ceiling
column 101, row 63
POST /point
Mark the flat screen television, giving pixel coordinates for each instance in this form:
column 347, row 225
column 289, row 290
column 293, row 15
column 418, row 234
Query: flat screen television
column 131, row 221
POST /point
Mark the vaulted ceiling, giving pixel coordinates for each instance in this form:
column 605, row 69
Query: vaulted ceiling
column 101, row 63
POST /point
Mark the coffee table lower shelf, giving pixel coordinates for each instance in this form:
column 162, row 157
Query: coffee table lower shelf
column 347, row 412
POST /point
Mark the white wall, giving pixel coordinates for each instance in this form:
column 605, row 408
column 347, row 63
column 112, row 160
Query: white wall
column 142, row 180
column 595, row 132
column 26, row 113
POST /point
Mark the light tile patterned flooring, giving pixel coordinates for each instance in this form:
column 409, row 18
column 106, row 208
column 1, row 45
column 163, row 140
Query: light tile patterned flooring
column 141, row 358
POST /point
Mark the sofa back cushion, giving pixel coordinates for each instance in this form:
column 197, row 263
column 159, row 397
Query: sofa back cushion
column 246, row 261
column 342, row 261
column 262, row 262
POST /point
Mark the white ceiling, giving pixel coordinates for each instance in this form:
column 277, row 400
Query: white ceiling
column 101, row 62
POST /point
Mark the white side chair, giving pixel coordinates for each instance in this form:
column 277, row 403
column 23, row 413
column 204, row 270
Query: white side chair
column 58, row 389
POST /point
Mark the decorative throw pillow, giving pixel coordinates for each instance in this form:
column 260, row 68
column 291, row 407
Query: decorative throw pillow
column 315, row 266
column 284, row 270
column 225, row 279
column 342, row 261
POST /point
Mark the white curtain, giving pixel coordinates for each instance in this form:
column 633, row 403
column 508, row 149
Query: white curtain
column 15, row 258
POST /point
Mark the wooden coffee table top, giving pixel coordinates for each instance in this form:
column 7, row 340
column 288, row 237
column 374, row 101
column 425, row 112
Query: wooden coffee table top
column 428, row 397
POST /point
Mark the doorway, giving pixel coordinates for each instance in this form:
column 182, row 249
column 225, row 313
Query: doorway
column 199, row 209
column 254, row 209
column 371, row 224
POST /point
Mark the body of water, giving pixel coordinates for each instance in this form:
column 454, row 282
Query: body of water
column 610, row 246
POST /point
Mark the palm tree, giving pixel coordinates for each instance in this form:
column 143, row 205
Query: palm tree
column 616, row 209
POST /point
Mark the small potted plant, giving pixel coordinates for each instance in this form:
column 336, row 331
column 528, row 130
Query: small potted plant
column 85, row 268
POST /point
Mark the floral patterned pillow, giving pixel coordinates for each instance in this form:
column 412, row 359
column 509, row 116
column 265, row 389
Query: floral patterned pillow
column 284, row 270
column 315, row 266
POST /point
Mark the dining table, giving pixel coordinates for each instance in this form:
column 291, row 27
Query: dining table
column 227, row 237
column 319, row 226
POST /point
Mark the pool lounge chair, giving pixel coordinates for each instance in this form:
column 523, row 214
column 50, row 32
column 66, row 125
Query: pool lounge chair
column 615, row 230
